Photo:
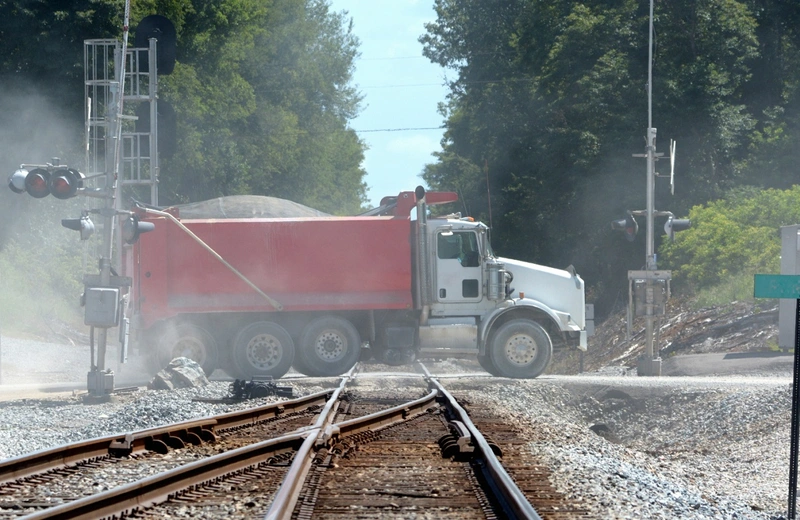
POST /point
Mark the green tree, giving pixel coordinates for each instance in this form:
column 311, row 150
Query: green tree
column 737, row 235
column 261, row 90
column 553, row 97
column 263, row 97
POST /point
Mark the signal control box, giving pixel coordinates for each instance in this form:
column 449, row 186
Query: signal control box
column 648, row 290
column 653, row 294
column 102, row 306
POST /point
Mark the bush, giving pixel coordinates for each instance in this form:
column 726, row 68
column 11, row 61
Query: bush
column 730, row 239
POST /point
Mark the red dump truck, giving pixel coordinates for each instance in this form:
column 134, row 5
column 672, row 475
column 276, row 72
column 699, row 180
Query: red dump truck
column 256, row 296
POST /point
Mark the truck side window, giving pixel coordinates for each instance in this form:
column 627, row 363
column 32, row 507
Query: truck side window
column 449, row 246
column 462, row 246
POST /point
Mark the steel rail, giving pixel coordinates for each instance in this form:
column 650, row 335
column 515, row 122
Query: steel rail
column 158, row 439
column 512, row 499
column 286, row 497
column 253, row 416
column 384, row 417
column 285, row 501
column 158, row 488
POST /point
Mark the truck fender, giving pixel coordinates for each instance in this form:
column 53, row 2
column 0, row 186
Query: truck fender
column 524, row 308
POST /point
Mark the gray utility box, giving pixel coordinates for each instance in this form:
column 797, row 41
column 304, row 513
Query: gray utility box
column 102, row 306
column 790, row 264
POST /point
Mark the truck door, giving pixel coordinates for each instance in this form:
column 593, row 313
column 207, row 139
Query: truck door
column 458, row 267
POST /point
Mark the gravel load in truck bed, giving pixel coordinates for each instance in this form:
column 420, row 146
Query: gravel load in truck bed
column 247, row 206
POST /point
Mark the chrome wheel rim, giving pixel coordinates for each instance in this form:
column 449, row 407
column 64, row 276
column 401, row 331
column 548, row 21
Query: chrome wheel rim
column 520, row 349
column 330, row 346
column 264, row 351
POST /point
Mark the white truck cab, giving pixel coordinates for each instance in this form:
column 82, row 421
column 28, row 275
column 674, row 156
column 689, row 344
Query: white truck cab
column 508, row 312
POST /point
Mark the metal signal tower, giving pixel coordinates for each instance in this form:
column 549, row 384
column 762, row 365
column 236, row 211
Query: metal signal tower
column 649, row 289
column 117, row 155
column 121, row 146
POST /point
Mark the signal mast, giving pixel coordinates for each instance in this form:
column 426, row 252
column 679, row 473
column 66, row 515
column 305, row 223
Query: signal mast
column 649, row 289
column 116, row 156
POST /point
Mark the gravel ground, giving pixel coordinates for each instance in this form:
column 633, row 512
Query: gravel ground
column 625, row 447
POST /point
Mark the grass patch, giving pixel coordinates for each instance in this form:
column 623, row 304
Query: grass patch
column 737, row 288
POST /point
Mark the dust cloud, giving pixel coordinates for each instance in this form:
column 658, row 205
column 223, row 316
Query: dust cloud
column 35, row 131
column 32, row 131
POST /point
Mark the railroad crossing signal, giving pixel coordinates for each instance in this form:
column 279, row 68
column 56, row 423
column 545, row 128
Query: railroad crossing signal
column 39, row 182
column 631, row 228
column 132, row 227
column 63, row 182
column 83, row 224
column 628, row 225
column 674, row 225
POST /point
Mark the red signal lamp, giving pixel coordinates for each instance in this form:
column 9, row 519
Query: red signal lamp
column 65, row 182
column 628, row 225
column 37, row 183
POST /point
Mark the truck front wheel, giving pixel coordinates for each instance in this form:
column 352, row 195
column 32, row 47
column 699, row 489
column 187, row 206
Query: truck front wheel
column 486, row 363
column 520, row 349
column 263, row 349
column 187, row 340
column 330, row 346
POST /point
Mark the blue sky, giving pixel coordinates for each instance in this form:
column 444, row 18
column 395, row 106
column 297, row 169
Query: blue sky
column 401, row 90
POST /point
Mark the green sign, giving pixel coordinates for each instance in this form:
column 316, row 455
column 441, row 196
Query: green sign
column 777, row 286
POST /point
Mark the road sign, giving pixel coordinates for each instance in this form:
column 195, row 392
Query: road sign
column 777, row 286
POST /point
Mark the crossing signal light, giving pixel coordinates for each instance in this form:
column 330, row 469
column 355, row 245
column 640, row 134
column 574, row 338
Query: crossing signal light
column 17, row 181
column 673, row 225
column 37, row 183
column 628, row 225
column 132, row 227
column 631, row 228
column 83, row 224
column 62, row 182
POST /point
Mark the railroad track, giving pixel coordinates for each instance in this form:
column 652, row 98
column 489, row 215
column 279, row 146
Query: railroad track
column 332, row 454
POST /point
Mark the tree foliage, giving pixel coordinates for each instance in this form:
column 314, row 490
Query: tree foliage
column 263, row 96
column 262, row 92
column 549, row 102
column 735, row 235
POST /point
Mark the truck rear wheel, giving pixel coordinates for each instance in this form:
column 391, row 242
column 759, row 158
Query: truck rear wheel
column 263, row 348
column 191, row 341
column 520, row 349
column 330, row 346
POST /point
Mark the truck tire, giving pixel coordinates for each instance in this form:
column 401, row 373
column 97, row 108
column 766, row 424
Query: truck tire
column 520, row 349
column 486, row 364
column 329, row 346
column 263, row 349
column 191, row 341
column 298, row 364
